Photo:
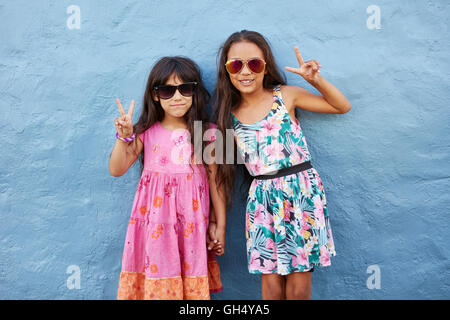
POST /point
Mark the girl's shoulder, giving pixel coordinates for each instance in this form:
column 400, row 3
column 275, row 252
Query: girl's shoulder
column 153, row 128
column 290, row 91
column 290, row 94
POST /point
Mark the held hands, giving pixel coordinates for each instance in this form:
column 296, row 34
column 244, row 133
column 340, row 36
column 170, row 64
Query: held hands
column 124, row 123
column 309, row 70
column 215, row 239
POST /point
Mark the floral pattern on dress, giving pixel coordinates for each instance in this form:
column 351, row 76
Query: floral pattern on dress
column 165, row 254
column 272, row 143
column 287, row 224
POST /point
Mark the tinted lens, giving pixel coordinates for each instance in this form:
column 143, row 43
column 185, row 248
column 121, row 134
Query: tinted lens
column 256, row 65
column 166, row 92
column 186, row 89
column 234, row 66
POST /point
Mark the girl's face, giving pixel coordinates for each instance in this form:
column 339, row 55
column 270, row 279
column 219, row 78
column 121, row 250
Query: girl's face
column 245, row 80
column 177, row 105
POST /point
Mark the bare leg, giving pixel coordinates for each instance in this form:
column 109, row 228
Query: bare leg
column 273, row 287
column 298, row 286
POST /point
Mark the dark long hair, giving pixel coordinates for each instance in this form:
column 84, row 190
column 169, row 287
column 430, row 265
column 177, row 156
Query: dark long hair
column 227, row 98
column 186, row 70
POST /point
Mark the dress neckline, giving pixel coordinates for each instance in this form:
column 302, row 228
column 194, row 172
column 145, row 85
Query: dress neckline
column 274, row 90
column 168, row 130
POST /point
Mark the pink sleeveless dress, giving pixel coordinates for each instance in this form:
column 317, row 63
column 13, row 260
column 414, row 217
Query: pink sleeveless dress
column 165, row 254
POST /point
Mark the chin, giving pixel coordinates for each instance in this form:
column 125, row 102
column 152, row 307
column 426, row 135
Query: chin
column 178, row 114
column 247, row 89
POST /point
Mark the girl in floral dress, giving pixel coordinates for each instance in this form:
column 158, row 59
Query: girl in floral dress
column 165, row 254
column 288, row 228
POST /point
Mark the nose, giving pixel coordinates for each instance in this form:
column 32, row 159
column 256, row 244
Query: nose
column 245, row 69
column 177, row 95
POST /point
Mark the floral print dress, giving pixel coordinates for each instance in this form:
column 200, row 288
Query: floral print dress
column 287, row 224
column 165, row 254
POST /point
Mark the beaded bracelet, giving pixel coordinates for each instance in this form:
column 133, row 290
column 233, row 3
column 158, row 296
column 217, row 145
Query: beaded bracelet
column 126, row 139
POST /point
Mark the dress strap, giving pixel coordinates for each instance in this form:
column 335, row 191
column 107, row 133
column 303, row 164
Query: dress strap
column 278, row 99
column 277, row 90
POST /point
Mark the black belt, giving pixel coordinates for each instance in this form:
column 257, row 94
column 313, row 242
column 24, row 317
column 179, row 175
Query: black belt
column 286, row 171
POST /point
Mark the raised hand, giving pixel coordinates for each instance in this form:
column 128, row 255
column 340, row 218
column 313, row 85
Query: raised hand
column 124, row 123
column 309, row 70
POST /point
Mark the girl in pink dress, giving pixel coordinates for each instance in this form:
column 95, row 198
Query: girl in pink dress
column 165, row 254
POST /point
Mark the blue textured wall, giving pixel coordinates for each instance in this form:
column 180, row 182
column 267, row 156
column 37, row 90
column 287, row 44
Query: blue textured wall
column 385, row 164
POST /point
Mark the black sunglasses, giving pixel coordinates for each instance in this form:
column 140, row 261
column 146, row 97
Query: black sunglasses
column 167, row 91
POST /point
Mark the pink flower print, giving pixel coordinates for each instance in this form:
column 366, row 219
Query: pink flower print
column 163, row 160
column 260, row 135
column 287, row 210
column 270, row 127
column 305, row 219
column 144, row 181
column 255, row 255
column 201, row 190
column 275, row 151
column 180, row 218
column 269, row 265
column 318, row 209
column 301, row 258
column 270, row 244
column 287, row 206
column 300, row 152
column 270, row 226
column 296, row 129
column 256, row 165
column 259, row 217
column 179, row 140
column 279, row 183
column 168, row 189
column 180, row 137
column 324, row 256
column 259, row 208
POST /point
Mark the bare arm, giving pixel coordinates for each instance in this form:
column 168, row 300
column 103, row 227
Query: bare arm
column 217, row 199
column 331, row 101
column 124, row 155
column 217, row 213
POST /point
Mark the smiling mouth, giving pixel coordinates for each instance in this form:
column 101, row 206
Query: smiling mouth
column 246, row 82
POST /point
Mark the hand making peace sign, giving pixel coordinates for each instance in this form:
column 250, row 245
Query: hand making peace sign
column 309, row 70
column 124, row 123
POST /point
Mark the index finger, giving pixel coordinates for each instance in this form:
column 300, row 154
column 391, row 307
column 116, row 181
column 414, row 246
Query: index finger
column 130, row 111
column 122, row 112
column 299, row 56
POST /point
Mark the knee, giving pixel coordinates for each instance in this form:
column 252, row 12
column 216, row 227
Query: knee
column 298, row 292
column 272, row 290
